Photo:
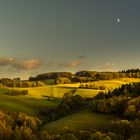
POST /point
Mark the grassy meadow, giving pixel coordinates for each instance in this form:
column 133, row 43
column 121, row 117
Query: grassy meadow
column 79, row 119
column 24, row 104
column 37, row 95
column 59, row 90
column 83, row 120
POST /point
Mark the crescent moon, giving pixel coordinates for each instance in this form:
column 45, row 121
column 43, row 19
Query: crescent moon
column 118, row 20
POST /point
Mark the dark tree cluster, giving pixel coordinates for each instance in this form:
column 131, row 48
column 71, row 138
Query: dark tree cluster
column 18, row 126
column 131, row 70
column 92, row 86
column 130, row 90
column 51, row 75
column 63, row 80
column 7, row 82
column 86, row 76
column 16, row 92
column 68, row 104
column 132, row 110
column 124, row 100
column 111, row 105
column 20, row 84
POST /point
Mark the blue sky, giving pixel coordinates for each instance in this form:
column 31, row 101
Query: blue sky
column 68, row 35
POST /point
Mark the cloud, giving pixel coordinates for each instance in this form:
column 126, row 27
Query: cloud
column 5, row 61
column 71, row 64
column 78, row 61
column 81, row 57
column 52, row 63
column 110, row 66
column 27, row 64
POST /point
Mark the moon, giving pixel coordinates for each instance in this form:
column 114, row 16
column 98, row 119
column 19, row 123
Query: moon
column 118, row 20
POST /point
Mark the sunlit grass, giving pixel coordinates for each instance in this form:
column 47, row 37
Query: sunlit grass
column 87, row 93
column 59, row 90
column 115, row 83
column 25, row 104
column 37, row 95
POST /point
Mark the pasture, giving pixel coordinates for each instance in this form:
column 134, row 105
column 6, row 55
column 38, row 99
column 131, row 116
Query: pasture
column 37, row 95
column 59, row 90
column 24, row 104
column 84, row 120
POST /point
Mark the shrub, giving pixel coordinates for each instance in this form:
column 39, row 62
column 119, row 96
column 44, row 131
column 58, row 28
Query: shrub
column 16, row 92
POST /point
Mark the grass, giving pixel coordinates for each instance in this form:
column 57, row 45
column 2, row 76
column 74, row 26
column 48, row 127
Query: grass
column 59, row 90
column 84, row 120
column 87, row 93
column 49, row 81
column 4, row 90
column 25, row 104
column 76, row 85
column 36, row 99
column 115, row 83
column 40, row 92
column 129, row 80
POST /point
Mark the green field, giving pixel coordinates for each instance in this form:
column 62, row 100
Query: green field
column 49, row 81
column 37, row 95
column 84, row 120
column 25, row 104
column 115, row 83
column 59, row 90
column 40, row 92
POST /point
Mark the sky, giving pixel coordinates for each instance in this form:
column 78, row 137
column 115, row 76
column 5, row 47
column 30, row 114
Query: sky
column 38, row 36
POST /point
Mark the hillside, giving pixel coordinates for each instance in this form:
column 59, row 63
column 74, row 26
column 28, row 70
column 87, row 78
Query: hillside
column 84, row 120
column 59, row 90
column 73, row 111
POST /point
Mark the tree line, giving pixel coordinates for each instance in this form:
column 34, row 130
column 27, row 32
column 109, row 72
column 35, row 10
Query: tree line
column 123, row 101
column 19, row 126
column 7, row 82
column 86, row 76
column 68, row 78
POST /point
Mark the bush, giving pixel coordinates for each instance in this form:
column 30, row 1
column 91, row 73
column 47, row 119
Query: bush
column 111, row 105
column 18, row 126
column 16, row 92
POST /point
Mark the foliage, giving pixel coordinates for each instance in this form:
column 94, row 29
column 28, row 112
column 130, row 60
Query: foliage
column 15, row 83
column 87, row 76
column 130, row 90
column 18, row 126
column 133, row 108
column 13, row 92
column 124, row 100
column 51, row 75
column 62, row 81
column 68, row 103
column 92, row 86
column 110, row 105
